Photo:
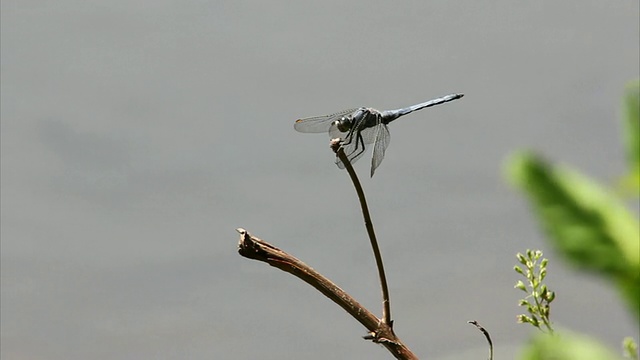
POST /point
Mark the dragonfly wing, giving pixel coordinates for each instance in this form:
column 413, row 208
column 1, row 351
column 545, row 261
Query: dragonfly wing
column 335, row 133
column 354, row 147
column 318, row 124
column 369, row 134
column 380, row 146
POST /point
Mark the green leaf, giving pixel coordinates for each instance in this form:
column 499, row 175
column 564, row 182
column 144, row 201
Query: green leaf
column 543, row 263
column 520, row 285
column 521, row 259
column 587, row 224
column 551, row 295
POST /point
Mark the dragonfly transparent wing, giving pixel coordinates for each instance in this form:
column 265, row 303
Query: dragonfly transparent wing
column 367, row 136
column 380, row 146
column 317, row 124
column 354, row 148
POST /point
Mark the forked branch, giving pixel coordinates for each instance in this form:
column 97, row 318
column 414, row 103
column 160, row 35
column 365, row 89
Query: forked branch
column 380, row 329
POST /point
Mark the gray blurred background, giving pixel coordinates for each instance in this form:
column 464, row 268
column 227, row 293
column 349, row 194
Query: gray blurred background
column 137, row 135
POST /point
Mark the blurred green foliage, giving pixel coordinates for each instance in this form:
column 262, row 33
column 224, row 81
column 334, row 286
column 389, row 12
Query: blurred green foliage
column 586, row 223
column 630, row 183
column 569, row 346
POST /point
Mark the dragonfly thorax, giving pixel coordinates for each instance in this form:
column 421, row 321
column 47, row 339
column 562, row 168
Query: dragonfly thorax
column 361, row 119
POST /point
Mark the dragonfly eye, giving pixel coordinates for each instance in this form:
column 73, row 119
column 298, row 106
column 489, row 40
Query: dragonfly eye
column 344, row 124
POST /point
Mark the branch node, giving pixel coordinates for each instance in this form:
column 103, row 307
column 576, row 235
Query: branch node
column 382, row 335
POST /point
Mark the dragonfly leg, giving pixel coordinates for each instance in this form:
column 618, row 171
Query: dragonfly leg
column 359, row 149
column 353, row 124
column 349, row 137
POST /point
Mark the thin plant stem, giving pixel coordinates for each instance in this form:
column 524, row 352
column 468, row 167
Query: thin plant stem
column 486, row 335
column 540, row 305
column 386, row 307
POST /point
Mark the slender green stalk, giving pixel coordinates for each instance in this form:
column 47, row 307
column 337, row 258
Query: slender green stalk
column 539, row 311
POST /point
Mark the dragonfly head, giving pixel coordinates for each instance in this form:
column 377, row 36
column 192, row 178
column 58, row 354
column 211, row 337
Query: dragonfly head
column 344, row 123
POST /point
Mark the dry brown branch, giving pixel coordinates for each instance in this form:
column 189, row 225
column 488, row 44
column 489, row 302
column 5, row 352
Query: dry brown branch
column 380, row 332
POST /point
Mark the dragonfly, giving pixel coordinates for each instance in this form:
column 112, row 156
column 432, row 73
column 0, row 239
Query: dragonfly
column 361, row 127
